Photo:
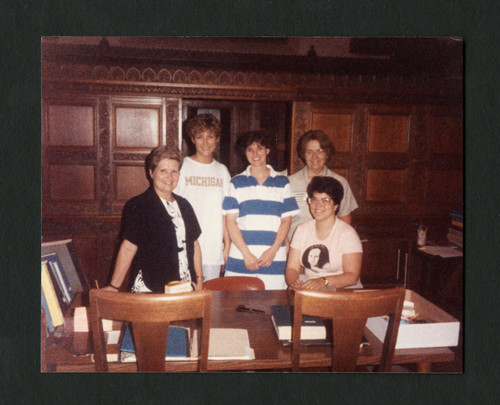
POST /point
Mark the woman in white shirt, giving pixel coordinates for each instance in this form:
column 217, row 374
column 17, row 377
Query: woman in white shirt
column 327, row 248
column 204, row 182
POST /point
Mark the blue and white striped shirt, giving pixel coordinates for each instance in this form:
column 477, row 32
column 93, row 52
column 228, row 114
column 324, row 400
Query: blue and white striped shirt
column 260, row 208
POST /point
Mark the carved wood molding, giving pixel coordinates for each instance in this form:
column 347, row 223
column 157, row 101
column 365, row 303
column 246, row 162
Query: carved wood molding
column 173, row 116
column 56, row 85
column 227, row 83
column 104, row 165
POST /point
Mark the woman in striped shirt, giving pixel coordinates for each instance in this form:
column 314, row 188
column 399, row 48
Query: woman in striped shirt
column 258, row 213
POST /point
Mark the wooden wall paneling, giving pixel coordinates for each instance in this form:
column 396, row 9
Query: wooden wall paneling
column 444, row 191
column 137, row 123
column 71, row 125
column 388, row 130
column 72, row 182
column 418, row 163
column 385, row 185
column 444, row 180
column 130, row 180
column 137, row 127
column 70, row 157
column 445, row 131
column 69, row 121
column 387, row 159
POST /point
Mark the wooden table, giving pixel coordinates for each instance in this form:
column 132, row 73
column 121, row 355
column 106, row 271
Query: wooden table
column 269, row 353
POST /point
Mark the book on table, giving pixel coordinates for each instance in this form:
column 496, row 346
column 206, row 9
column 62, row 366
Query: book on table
column 313, row 328
column 62, row 286
column 45, row 307
column 315, row 331
column 178, row 345
column 54, row 309
column 226, row 344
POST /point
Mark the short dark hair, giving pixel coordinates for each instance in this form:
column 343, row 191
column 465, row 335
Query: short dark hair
column 324, row 143
column 327, row 185
column 162, row 152
column 263, row 138
column 203, row 122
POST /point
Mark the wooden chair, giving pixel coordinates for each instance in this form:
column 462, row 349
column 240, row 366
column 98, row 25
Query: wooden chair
column 349, row 311
column 234, row 283
column 150, row 315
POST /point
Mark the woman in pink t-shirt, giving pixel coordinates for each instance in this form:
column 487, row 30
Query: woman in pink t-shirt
column 326, row 248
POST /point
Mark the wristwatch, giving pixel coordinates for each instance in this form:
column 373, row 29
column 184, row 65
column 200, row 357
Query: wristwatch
column 326, row 281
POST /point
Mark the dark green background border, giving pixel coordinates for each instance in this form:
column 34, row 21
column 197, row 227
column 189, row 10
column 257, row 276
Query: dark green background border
column 23, row 23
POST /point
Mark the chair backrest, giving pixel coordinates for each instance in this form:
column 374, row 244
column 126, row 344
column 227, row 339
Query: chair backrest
column 150, row 316
column 349, row 311
column 234, row 283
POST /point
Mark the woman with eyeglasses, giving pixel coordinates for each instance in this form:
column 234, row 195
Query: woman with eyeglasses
column 326, row 248
column 315, row 149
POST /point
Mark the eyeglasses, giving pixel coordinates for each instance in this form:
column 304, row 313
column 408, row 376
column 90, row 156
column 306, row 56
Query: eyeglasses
column 323, row 201
column 317, row 152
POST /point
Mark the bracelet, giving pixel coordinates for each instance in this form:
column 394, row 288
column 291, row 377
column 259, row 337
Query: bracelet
column 200, row 277
column 326, row 281
column 112, row 286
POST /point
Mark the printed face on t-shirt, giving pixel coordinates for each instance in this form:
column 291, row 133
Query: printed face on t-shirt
column 316, row 257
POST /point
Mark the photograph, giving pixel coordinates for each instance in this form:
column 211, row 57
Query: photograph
column 262, row 204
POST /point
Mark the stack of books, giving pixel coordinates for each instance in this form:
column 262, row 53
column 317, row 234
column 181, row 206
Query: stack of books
column 456, row 231
column 61, row 278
